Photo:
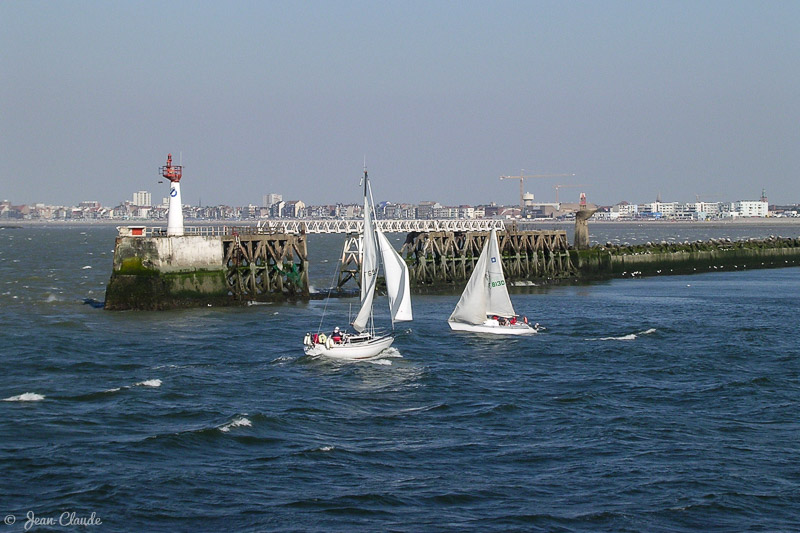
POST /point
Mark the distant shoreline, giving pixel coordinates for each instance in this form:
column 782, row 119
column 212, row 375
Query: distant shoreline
column 153, row 223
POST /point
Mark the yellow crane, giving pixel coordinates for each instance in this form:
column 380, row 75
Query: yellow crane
column 557, row 187
column 522, row 177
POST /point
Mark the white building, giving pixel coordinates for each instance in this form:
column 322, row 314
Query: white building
column 746, row 208
column 269, row 199
column 624, row 211
column 659, row 209
column 142, row 199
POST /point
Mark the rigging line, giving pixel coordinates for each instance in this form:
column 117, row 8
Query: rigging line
column 327, row 298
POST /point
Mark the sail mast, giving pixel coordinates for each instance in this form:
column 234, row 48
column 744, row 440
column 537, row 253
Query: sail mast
column 369, row 263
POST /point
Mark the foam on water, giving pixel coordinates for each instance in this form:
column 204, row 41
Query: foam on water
column 26, row 397
column 629, row 337
column 238, row 422
column 384, row 362
column 87, row 267
column 392, row 352
column 149, row 383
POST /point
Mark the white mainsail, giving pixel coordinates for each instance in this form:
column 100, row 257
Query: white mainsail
column 486, row 292
column 397, row 283
column 369, row 268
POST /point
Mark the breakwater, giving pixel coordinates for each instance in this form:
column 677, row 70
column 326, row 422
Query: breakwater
column 233, row 266
column 664, row 258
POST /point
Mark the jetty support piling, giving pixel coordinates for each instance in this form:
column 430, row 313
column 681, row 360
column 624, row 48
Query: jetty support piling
column 581, row 240
column 350, row 263
column 266, row 266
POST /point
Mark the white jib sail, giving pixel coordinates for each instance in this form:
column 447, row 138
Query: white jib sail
column 369, row 270
column 499, row 302
column 397, row 283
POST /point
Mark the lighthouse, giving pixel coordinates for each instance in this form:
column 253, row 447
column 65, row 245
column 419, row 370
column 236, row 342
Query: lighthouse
column 175, row 216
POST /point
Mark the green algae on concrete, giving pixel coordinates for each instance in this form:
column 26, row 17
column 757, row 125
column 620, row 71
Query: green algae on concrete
column 151, row 290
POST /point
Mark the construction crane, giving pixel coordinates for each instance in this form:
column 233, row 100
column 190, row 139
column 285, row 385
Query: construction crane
column 522, row 177
column 557, row 187
column 697, row 197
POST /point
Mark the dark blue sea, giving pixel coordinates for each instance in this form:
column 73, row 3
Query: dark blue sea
column 662, row 404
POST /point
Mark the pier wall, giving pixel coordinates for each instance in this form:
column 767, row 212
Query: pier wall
column 163, row 272
column 167, row 272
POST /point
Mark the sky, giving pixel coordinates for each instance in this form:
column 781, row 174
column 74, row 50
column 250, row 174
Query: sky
column 679, row 99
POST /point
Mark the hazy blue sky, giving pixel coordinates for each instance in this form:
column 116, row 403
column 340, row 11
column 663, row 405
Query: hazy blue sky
column 635, row 98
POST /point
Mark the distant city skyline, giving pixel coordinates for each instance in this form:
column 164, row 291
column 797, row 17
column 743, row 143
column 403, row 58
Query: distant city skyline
column 146, row 198
column 634, row 99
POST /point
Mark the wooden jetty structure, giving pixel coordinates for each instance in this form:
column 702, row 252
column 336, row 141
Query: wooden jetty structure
column 265, row 266
column 446, row 259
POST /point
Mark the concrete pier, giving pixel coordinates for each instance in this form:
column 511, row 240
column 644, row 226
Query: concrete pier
column 226, row 266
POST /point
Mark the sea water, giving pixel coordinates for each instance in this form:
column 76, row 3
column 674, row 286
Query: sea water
column 655, row 404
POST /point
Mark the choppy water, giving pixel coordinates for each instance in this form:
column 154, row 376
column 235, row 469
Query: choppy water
column 657, row 404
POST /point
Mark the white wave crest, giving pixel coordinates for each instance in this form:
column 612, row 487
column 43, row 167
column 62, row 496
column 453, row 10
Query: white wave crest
column 392, row 352
column 27, row 397
column 149, row 383
column 115, row 389
column 239, row 422
column 629, row 337
column 87, row 267
column 384, row 362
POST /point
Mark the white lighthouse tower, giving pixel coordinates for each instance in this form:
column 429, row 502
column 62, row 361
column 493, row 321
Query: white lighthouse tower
column 175, row 214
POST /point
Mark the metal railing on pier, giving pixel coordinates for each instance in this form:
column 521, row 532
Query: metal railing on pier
column 296, row 227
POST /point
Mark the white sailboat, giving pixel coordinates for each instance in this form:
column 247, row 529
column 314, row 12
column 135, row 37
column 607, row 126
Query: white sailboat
column 365, row 343
column 485, row 306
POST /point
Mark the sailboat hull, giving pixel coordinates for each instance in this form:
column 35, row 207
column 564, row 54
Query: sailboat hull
column 354, row 350
column 492, row 327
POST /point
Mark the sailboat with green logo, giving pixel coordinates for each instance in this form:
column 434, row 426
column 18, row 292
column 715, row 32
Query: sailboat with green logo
column 485, row 306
